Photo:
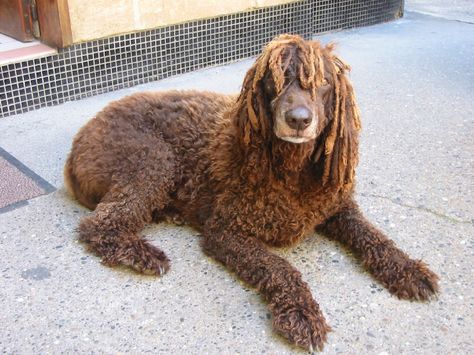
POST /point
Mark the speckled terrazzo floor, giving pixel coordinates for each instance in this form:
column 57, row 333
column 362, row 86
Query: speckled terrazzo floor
column 415, row 82
column 18, row 184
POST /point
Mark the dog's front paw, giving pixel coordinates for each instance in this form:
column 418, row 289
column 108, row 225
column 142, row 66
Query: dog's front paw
column 140, row 255
column 302, row 325
column 415, row 281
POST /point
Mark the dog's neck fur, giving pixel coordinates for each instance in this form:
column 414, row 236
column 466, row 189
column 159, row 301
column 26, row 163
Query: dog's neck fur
column 290, row 158
column 262, row 160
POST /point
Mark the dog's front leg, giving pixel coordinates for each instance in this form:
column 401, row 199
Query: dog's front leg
column 404, row 277
column 296, row 315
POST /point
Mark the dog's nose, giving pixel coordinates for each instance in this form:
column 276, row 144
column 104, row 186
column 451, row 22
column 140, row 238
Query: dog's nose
column 298, row 118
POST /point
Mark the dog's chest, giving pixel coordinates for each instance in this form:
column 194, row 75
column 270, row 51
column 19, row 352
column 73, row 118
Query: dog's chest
column 278, row 216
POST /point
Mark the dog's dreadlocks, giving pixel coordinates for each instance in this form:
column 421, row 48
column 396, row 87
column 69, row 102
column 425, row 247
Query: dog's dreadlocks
column 313, row 66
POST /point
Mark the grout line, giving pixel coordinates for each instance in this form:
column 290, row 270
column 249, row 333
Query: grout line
column 420, row 208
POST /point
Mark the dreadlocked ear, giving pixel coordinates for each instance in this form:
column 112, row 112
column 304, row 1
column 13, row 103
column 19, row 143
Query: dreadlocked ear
column 250, row 109
column 341, row 134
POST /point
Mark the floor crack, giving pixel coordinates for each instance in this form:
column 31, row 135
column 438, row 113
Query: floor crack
column 420, row 208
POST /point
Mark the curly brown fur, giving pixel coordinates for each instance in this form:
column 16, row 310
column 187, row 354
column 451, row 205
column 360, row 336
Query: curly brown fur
column 266, row 167
column 405, row 278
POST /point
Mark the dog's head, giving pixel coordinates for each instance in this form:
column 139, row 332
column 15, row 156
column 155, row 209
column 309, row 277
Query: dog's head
column 297, row 93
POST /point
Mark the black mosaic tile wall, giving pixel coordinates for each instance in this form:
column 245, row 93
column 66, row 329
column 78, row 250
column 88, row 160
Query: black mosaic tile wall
column 108, row 64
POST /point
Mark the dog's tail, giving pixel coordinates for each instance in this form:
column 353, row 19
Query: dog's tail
column 73, row 186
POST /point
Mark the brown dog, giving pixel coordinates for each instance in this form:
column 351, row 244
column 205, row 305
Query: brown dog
column 264, row 168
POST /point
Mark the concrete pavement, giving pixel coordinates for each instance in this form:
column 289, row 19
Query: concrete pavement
column 414, row 80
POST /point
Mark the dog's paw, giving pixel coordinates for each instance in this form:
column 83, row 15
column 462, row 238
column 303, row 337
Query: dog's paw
column 415, row 281
column 141, row 256
column 303, row 326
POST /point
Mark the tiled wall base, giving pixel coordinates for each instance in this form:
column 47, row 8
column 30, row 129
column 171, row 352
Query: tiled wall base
column 104, row 65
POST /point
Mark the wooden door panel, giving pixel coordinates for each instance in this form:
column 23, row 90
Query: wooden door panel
column 16, row 20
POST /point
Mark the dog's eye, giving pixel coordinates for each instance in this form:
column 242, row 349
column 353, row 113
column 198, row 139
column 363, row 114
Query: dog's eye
column 269, row 88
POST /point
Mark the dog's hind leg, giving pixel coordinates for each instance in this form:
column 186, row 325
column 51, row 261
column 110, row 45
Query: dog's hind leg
column 111, row 231
column 404, row 277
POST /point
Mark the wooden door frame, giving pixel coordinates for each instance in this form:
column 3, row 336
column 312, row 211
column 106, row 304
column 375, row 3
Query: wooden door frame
column 54, row 22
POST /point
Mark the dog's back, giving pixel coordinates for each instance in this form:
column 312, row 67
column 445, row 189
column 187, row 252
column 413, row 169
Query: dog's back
column 116, row 140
